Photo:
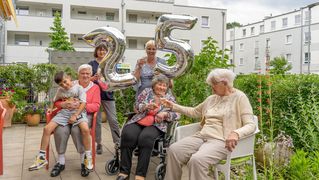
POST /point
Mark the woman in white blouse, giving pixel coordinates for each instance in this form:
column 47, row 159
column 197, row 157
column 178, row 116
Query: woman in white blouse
column 226, row 116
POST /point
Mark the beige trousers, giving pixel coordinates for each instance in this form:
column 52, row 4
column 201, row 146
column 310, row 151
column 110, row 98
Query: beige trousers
column 197, row 153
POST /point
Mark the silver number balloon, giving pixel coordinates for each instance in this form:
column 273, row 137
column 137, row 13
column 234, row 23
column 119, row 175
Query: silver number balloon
column 115, row 43
column 182, row 50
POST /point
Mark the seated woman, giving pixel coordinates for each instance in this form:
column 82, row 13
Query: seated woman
column 142, row 130
column 226, row 117
column 62, row 133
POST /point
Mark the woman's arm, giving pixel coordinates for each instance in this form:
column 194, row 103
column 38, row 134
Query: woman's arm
column 93, row 99
column 247, row 116
column 141, row 104
column 138, row 68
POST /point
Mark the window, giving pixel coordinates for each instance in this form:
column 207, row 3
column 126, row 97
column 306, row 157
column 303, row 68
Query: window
column 273, row 25
column 205, row 21
column 56, row 10
column 21, row 39
column 82, row 12
column 231, row 61
column 307, row 58
column 288, row 58
column 132, row 43
column 267, row 43
column 244, row 32
column 284, row 22
column 297, row 19
column 41, row 12
column 232, row 36
column 257, row 63
column 307, row 17
column 241, row 46
column 22, row 10
column 202, row 44
column 132, row 17
column 262, row 28
column 252, row 31
column 241, row 61
column 231, row 48
column 288, row 39
column 110, row 16
column 256, row 47
column 307, row 37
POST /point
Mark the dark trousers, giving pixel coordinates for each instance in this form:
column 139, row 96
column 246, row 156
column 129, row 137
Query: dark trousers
column 144, row 138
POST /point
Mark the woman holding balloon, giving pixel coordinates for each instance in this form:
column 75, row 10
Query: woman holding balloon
column 144, row 69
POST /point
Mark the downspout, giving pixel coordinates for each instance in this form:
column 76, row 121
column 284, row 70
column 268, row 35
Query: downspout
column 223, row 34
column 234, row 49
column 301, row 41
column 122, row 18
column 309, row 40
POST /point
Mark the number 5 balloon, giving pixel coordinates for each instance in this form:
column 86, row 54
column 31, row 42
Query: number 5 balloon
column 182, row 50
column 115, row 43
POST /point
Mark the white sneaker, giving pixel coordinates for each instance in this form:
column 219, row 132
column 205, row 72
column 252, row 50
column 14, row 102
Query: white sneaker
column 39, row 162
column 88, row 163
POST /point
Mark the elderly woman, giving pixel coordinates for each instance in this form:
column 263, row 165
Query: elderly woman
column 226, row 117
column 62, row 133
column 144, row 69
column 142, row 130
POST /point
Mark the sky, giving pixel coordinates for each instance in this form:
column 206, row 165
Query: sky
column 249, row 11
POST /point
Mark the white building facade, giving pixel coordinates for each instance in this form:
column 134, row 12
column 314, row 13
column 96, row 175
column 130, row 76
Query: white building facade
column 137, row 19
column 293, row 35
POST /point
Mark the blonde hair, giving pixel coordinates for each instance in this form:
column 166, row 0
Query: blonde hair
column 221, row 75
column 149, row 42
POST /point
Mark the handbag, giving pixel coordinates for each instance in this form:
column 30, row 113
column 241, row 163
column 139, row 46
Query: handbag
column 149, row 119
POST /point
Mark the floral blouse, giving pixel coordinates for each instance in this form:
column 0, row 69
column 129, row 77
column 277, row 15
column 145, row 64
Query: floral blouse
column 144, row 98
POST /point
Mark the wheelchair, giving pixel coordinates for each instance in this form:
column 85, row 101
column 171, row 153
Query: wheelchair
column 112, row 167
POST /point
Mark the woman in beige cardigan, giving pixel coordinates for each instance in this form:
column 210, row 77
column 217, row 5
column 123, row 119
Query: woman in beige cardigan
column 226, row 117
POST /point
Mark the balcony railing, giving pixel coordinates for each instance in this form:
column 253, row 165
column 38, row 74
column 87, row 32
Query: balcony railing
column 161, row 1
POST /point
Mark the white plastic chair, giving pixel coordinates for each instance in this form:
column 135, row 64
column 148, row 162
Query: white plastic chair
column 244, row 150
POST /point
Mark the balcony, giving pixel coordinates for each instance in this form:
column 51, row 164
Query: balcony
column 33, row 54
column 82, row 26
column 31, row 24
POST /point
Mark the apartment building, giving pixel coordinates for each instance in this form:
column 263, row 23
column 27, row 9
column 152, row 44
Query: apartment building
column 137, row 19
column 293, row 35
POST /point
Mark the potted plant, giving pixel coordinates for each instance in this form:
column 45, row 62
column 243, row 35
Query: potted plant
column 32, row 113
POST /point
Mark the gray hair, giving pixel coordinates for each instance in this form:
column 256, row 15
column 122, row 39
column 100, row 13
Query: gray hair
column 224, row 75
column 85, row 66
column 160, row 78
column 149, row 42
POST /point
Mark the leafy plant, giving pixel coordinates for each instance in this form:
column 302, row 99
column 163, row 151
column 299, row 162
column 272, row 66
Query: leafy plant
column 280, row 65
column 59, row 36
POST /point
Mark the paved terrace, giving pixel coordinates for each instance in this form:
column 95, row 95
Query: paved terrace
column 21, row 144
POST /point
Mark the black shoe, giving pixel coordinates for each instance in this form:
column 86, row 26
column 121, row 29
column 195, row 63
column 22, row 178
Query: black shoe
column 84, row 171
column 122, row 178
column 99, row 149
column 57, row 169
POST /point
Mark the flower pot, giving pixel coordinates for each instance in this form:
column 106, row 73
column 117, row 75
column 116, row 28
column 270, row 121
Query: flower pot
column 33, row 119
column 5, row 101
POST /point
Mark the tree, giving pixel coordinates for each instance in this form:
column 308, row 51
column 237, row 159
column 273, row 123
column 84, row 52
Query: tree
column 232, row 25
column 279, row 65
column 59, row 38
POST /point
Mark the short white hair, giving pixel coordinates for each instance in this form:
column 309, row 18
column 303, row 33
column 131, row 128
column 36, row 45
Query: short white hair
column 224, row 75
column 85, row 66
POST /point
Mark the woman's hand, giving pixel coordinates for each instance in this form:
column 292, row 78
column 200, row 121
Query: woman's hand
column 151, row 106
column 141, row 62
column 70, row 105
column 231, row 141
column 161, row 117
column 166, row 103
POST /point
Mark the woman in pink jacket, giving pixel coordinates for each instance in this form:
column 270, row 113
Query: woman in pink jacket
column 62, row 133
